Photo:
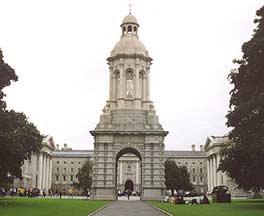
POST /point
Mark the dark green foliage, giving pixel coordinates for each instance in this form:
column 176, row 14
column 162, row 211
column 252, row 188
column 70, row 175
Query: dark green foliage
column 177, row 177
column 18, row 137
column 85, row 176
column 244, row 158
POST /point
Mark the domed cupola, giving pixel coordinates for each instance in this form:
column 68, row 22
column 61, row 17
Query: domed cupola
column 129, row 43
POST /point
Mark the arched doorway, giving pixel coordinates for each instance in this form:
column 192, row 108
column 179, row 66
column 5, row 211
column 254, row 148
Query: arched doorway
column 128, row 173
column 129, row 185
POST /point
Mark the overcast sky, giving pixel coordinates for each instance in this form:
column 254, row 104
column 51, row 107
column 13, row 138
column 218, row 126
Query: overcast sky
column 58, row 49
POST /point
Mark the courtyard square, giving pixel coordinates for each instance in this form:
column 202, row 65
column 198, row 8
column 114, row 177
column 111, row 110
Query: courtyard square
column 239, row 207
column 48, row 207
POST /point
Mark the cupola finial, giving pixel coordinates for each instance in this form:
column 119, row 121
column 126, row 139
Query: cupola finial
column 130, row 7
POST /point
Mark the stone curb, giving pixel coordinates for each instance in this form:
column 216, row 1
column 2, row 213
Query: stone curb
column 161, row 210
column 101, row 208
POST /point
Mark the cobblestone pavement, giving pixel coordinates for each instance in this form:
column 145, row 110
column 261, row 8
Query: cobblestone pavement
column 129, row 208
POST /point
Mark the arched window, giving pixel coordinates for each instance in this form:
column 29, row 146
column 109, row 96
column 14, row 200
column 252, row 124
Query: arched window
column 124, row 30
column 141, row 75
column 117, row 74
column 129, row 74
column 129, row 29
column 135, row 29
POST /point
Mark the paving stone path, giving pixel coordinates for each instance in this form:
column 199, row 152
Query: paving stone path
column 129, row 208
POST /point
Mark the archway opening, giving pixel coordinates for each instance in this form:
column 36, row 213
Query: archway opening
column 129, row 185
column 128, row 174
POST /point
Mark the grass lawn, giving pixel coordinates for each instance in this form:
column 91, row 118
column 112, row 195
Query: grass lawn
column 47, row 207
column 245, row 207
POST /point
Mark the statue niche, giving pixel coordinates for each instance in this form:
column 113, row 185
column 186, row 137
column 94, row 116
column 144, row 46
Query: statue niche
column 129, row 83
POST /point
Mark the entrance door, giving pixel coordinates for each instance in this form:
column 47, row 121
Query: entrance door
column 129, row 185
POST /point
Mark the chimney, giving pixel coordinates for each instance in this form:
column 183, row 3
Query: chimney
column 201, row 148
column 193, row 147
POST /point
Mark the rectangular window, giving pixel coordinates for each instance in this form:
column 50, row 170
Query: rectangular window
column 64, row 178
column 201, row 170
column 72, row 170
column 193, row 170
column 71, row 177
column 194, row 179
column 57, row 178
column 201, row 179
column 129, row 169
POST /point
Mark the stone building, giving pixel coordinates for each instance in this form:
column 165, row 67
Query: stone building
column 195, row 162
column 37, row 171
column 213, row 146
column 129, row 124
column 66, row 163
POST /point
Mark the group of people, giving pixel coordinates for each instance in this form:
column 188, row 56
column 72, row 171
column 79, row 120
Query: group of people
column 179, row 199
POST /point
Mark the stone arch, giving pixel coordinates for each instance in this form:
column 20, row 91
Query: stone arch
column 137, row 182
column 129, row 83
column 116, row 80
column 128, row 150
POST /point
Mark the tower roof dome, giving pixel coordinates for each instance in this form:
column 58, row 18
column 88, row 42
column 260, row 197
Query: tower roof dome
column 130, row 19
column 129, row 44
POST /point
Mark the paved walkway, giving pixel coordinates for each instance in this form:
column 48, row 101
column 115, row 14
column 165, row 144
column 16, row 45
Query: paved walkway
column 129, row 208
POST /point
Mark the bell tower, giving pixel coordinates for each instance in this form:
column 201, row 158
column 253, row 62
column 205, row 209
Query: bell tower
column 129, row 123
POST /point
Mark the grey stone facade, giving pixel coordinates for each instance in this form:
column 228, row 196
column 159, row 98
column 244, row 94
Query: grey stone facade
column 65, row 166
column 129, row 123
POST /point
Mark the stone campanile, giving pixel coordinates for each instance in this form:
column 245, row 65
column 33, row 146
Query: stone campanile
column 129, row 123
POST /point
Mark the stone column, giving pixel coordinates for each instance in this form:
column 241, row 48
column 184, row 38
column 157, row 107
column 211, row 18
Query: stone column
column 212, row 174
column 44, row 171
column 147, row 85
column 40, row 170
column 122, row 83
column 218, row 174
column 137, row 172
column 214, row 169
column 208, row 174
column 50, row 174
column 121, row 174
column 48, row 171
column 34, row 169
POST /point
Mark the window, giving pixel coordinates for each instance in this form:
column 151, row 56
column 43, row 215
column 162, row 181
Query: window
column 79, row 162
column 193, row 170
column 201, row 170
column 72, row 170
column 58, row 169
column 135, row 29
column 129, row 29
column 128, row 169
column 194, row 179
column 64, row 169
column 64, row 162
column 201, row 179
column 71, row 177
column 201, row 163
column 57, row 178
column 179, row 162
column 186, row 163
column 72, row 162
column 124, row 29
column 58, row 162
column 64, row 178
column 193, row 162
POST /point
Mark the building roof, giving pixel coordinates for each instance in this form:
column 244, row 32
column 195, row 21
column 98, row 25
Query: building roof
column 184, row 154
column 73, row 153
column 130, row 19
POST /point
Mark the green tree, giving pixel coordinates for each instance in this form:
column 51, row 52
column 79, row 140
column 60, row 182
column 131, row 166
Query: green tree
column 18, row 137
column 177, row 177
column 244, row 158
column 84, row 176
